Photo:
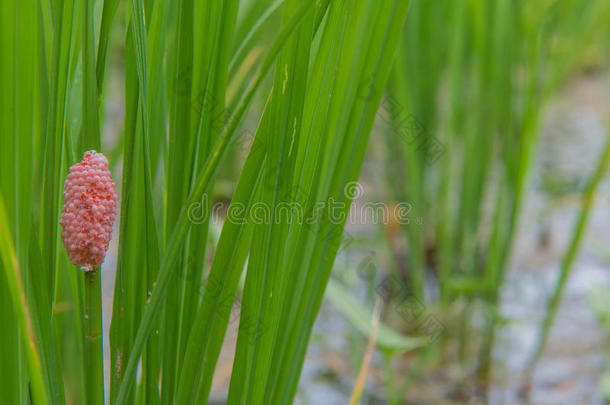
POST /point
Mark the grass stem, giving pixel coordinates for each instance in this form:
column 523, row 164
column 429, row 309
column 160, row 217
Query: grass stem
column 568, row 260
column 94, row 361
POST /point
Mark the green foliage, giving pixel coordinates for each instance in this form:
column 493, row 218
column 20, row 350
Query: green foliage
column 181, row 121
column 465, row 102
column 388, row 340
column 305, row 78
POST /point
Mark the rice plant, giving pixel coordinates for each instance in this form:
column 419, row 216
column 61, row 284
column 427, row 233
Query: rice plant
column 171, row 294
column 467, row 99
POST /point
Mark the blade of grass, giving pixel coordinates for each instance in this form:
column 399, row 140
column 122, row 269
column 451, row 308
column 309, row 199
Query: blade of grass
column 256, row 28
column 261, row 306
column 151, row 359
column 62, row 50
column 64, row 40
column 41, row 314
column 357, row 123
column 446, row 192
column 387, row 339
column 309, row 149
column 137, row 219
column 210, row 72
column 587, row 200
column 368, row 354
column 182, row 225
column 27, row 106
column 39, row 391
column 179, row 166
column 124, row 307
column 157, row 34
column 108, row 13
column 213, row 316
column 12, row 372
column 400, row 89
column 90, row 139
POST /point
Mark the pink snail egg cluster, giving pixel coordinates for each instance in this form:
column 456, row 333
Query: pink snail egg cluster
column 89, row 210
